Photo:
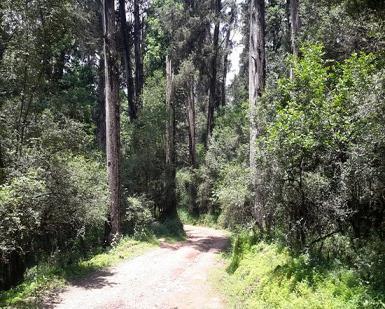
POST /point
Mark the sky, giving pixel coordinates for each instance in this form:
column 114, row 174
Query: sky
column 235, row 53
column 235, row 56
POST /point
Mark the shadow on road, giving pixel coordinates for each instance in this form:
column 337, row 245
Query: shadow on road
column 201, row 243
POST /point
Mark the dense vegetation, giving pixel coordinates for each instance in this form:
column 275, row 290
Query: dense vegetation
column 289, row 151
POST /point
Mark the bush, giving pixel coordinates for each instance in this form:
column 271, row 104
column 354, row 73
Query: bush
column 223, row 183
column 54, row 198
column 233, row 195
column 138, row 215
column 321, row 154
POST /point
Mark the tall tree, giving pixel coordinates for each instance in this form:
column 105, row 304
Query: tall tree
column 139, row 74
column 228, row 28
column 125, row 30
column 257, row 76
column 2, row 165
column 100, row 108
column 170, row 194
column 191, row 121
column 112, row 117
column 213, row 93
column 294, row 29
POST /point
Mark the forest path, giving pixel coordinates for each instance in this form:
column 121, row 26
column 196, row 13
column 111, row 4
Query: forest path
column 172, row 276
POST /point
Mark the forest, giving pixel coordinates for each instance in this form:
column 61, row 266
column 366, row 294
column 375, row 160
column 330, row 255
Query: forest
column 127, row 119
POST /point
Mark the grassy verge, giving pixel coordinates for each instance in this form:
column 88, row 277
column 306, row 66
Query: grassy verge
column 268, row 276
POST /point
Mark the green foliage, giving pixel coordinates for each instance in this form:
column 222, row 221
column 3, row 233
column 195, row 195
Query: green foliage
column 170, row 230
column 343, row 26
column 268, row 276
column 55, row 194
column 205, row 219
column 143, row 143
column 138, row 215
column 313, row 131
column 233, row 194
column 184, row 179
column 223, row 187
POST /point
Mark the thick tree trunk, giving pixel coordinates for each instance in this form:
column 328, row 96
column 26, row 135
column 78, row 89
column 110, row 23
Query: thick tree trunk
column 257, row 73
column 112, row 119
column 139, row 79
column 213, row 95
column 170, row 195
column 294, row 29
column 126, row 36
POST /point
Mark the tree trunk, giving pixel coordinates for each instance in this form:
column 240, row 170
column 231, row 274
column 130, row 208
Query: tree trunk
column 126, row 36
column 112, row 119
column 170, row 195
column 2, row 165
column 294, row 29
column 100, row 109
column 192, row 147
column 225, row 66
column 191, row 124
column 138, row 55
column 213, row 97
column 257, row 73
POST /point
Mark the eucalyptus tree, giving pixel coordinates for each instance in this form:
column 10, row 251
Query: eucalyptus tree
column 112, row 118
column 257, row 77
column 169, row 209
column 125, row 29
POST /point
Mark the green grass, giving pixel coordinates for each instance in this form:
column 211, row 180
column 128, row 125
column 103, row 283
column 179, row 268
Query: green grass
column 268, row 276
column 47, row 277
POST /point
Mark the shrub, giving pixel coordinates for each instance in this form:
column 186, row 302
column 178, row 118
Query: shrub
column 54, row 197
column 138, row 215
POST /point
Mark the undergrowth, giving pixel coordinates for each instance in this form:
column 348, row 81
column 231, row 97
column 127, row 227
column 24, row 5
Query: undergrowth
column 268, row 275
column 203, row 220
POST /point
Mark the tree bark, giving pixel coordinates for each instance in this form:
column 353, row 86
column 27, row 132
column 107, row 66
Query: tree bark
column 213, row 96
column 225, row 66
column 126, row 36
column 139, row 79
column 191, row 124
column 2, row 165
column 257, row 76
column 112, row 118
column 100, row 109
column 192, row 147
column 294, row 29
column 170, row 196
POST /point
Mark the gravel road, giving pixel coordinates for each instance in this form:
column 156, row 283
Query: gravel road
column 172, row 276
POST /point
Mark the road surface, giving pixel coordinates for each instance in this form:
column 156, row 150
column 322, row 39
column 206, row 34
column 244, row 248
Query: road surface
column 172, row 276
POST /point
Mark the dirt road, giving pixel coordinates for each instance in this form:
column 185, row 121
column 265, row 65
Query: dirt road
column 172, row 276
